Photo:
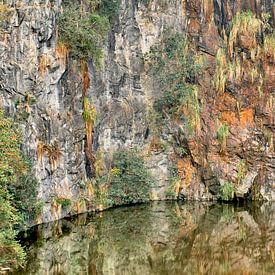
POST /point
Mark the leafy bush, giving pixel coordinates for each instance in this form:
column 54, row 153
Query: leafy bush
column 82, row 32
column 64, row 202
column 24, row 193
column 18, row 192
column 11, row 253
column 226, row 191
column 12, row 167
column 108, row 8
column 129, row 181
column 132, row 181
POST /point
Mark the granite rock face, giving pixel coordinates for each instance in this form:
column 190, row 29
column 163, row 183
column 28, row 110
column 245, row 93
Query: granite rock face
column 42, row 86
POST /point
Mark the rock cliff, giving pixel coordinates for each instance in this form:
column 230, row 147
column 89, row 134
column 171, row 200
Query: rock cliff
column 42, row 86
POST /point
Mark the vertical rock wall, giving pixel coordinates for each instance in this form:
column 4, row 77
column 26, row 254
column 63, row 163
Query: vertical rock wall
column 43, row 90
column 42, row 86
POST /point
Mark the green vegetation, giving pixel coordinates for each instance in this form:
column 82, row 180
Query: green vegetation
column 128, row 181
column 269, row 45
column 11, row 253
column 241, row 171
column 244, row 28
column 108, row 8
column 89, row 116
column 64, row 202
column 222, row 136
column 89, row 112
column 12, row 167
column 83, row 32
column 226, row 191
column 226, row 70
column 221, row 71
column 18, row 192
column 176, row 66
column 268, row 135
column 23, row 107
column 173, row 188
column 244, row 23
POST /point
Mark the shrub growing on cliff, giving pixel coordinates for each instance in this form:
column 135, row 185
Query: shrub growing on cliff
column 244, row 23
column 12, row 167
column 221, row 71
column 132, row 181
column 11, row 253
column 269, row 46
column 172, row 191
column 18, row 192
column 222, row 136
column 176, row 66
column 108, row 8
column 82, row 32
column 129, row 181
column 241, row 171
column 226, row 191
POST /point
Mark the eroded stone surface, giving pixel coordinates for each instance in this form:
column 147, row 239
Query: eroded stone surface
column 34, row 66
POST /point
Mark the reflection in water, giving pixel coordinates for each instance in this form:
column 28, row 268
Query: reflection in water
column 159, row 238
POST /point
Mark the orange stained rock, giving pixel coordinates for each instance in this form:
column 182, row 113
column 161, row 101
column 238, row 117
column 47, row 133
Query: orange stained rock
column 225, row 102
column 229, row 118
column 85, row 77
column 208, row 9
column 186, row 170
column 44, row 62
column 246, row 117
column 61, row 53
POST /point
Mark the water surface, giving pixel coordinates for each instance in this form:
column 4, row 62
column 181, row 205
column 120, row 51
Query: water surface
column 159, row 238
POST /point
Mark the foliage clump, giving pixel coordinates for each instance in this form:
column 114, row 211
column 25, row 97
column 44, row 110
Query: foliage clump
column 64, row 202
column 128, row 181
column 226, row 192
column 241, row 171
column 245, row 28
column 12, row 167
column 222, row 136
column 18, row 192
column 83, row 32
column 244, row 23
column 107, row 8
column 172, row 191
column 221, row 71
column 176, row 67
column 269, row 46
column 89, row 116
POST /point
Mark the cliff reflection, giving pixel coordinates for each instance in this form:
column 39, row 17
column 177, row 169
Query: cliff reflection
column 160, row 238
